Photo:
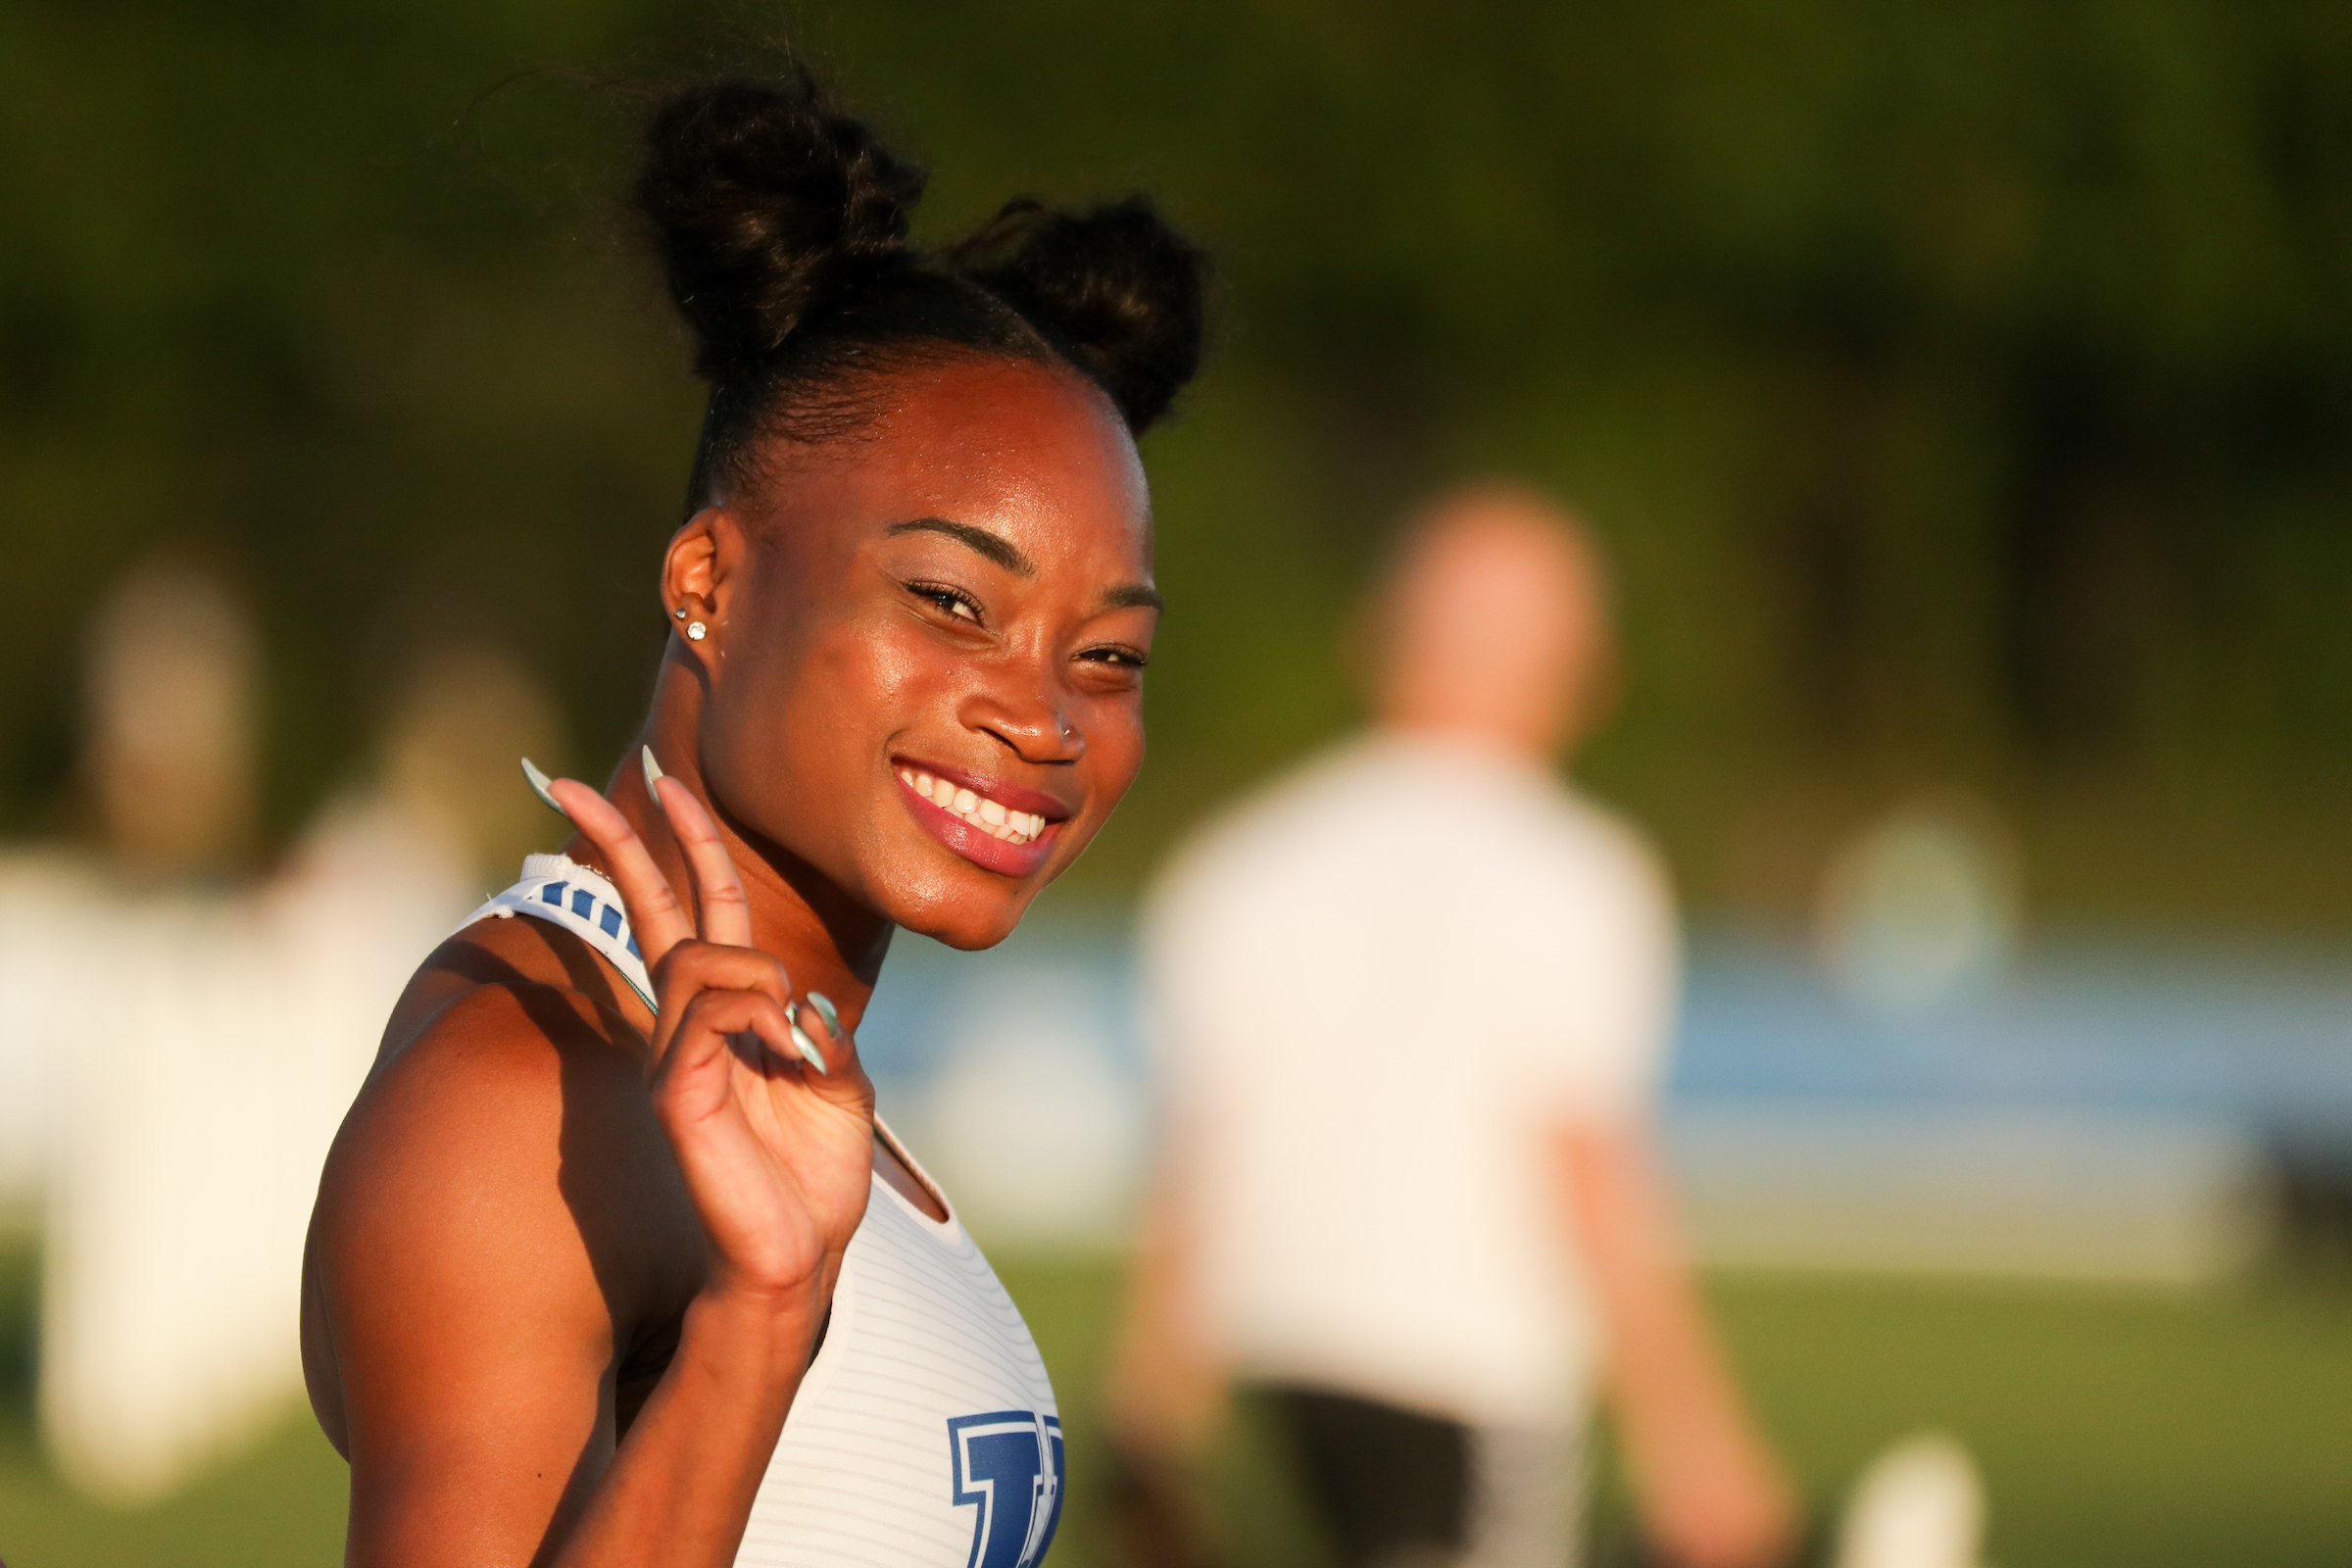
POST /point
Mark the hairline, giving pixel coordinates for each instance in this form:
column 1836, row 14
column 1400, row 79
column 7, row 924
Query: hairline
column 847, row 413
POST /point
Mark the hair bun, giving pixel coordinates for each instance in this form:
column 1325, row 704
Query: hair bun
column 1115, row 287
column 766, row 204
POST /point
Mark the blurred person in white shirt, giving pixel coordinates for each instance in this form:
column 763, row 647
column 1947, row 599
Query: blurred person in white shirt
column 1410, row 1007
column 180, row 1035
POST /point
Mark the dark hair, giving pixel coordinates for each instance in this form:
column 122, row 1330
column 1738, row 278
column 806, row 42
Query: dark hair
column 782, row 225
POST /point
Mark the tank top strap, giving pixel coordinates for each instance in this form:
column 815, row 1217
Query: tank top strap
column 561, row 891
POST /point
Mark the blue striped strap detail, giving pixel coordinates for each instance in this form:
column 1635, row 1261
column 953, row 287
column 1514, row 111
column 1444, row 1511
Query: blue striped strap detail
column 587, row 907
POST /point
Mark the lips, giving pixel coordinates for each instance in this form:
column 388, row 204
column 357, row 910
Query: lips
column 995, row 824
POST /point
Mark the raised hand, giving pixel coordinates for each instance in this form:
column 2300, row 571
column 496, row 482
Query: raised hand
column 776, row 1150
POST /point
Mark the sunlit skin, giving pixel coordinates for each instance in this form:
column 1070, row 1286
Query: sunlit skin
column 851, row 631
column 571, row 1257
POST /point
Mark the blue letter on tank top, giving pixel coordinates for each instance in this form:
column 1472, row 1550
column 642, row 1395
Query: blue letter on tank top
column 1010, row 1464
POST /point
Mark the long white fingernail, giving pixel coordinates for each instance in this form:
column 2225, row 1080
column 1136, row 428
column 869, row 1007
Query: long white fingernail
column 826, row 1011
column 807, row 1047
column 539, row 782
column 652, row 772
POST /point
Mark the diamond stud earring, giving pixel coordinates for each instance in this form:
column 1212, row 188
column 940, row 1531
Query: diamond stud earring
column 697, row 631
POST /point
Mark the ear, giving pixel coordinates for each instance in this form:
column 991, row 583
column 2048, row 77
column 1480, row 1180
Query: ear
column 703, row 557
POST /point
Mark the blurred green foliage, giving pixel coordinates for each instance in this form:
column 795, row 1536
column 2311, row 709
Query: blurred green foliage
column 1966, row 391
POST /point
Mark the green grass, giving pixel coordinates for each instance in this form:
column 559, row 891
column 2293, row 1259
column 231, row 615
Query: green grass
column 281, row 1503
column 2115, row 1427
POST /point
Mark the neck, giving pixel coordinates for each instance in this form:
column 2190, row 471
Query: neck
column 825, row 940
column 1496, row 739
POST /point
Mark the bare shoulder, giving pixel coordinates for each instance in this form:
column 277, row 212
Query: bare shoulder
column 501, row 1169
column 492, row 1061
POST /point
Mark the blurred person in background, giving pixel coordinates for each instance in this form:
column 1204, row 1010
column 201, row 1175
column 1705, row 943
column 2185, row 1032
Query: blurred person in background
column 166, row 776
column 445, row 760
column 1409, row 1006
column 190, row 1031
column 142, row 1368
column 172, row 724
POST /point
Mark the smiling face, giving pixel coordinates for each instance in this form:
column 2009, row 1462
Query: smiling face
column 923, row 668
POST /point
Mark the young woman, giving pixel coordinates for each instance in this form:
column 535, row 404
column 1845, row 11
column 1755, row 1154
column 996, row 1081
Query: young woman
column 612, row 1262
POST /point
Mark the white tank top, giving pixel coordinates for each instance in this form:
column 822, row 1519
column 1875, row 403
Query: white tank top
column 925, row 1434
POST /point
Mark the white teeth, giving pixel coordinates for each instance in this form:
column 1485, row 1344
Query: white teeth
column 991, row 817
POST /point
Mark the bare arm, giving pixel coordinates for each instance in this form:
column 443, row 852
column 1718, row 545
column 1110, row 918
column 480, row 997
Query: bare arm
column 1712, row 1494
column 473, row 1318
column 680, row 1488
column 488, row 1231
column 1166, row 1395
column 1166, row 1392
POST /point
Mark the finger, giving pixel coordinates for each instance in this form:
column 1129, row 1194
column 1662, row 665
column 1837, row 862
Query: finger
column 694, row 967
column 711, row 1022
column 843, row 1081
column 803, row 1041
column 829, row 1044
column 655, row 919
column 725, row 916
column 830, row 1013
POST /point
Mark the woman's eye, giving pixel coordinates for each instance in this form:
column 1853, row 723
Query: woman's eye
column 1122, row 657
column 952, row 600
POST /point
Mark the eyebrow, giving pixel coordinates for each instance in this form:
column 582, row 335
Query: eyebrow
column 1133, row 596
column 995, row 546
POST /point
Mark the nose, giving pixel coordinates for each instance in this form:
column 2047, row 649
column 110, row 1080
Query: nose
column 1032, row 723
